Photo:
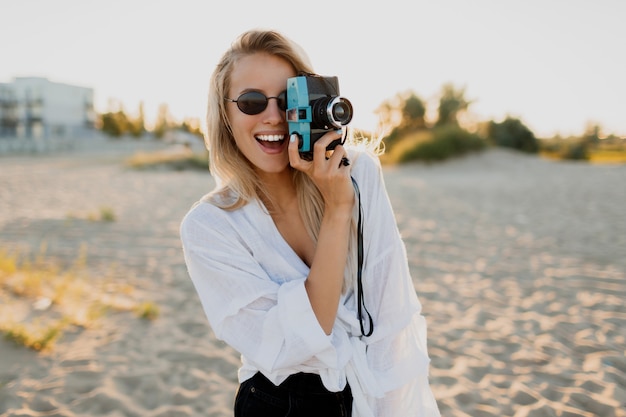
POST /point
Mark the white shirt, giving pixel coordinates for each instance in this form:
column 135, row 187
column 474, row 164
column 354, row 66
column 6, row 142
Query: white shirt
column 251, row 287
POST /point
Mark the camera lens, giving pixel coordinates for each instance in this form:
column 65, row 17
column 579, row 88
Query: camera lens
column 331, row 112
column 342, row 112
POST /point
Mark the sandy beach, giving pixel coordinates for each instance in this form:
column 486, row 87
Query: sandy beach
column 520, row 264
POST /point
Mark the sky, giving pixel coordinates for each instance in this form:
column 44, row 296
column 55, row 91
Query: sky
column 558, row 65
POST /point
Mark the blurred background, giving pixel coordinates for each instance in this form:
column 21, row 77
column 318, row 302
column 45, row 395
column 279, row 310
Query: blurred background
column 555, row 67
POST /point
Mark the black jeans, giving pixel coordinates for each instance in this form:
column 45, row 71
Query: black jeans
column 300, row 395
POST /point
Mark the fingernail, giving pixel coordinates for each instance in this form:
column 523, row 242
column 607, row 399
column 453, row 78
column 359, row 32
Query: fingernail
column 292, row 138
column 340, row 131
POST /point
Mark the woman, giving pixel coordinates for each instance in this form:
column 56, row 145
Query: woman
column 273, row 254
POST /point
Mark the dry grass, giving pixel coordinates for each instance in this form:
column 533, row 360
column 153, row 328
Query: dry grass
column 102, row 214
column 39, row 299
column 404, row 145
column 608, row 156
column 147, row 310
column 596, row 156
column 177, row 158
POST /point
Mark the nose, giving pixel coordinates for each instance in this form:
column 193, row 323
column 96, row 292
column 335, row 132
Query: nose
column 273, row 113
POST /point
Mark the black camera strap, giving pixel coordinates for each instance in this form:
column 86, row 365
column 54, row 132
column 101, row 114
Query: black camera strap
column 360, row 296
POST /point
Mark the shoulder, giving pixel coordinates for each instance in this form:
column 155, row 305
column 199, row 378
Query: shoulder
column 201, row 216
column 205, row 218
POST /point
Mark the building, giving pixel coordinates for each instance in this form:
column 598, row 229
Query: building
column 8, row 111
column 39, row 109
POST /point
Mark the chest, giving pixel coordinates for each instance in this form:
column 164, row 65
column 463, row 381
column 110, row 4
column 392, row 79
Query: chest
column 292, row 229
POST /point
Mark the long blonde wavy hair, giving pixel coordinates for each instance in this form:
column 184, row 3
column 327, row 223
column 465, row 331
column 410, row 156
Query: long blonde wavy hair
column 236, row 181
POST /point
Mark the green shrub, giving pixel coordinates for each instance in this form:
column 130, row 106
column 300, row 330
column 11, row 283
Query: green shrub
column 107, row 214
column 397, row 134
column 572, row 148
column 576, row 151
column 446, row 141
column 512, row 133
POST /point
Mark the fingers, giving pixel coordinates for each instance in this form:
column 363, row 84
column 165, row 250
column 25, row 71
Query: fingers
column 321, row 154
column 294, row 155
column 329, row 172
column 339, row 157
column 321, row 157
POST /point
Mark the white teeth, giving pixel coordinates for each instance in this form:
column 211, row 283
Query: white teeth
column 271, row 138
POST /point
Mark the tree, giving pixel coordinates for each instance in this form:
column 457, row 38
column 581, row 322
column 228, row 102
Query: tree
column 592, row 134
column 192, row 125
column 137, row 125
column 163, row 121
column 114, row 124
column 413, row 112
column 403, row 114
column 451, row 103
column 403, row 110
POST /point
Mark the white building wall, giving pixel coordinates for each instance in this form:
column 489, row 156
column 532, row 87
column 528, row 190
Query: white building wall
column 38, row 115
column 49, row 109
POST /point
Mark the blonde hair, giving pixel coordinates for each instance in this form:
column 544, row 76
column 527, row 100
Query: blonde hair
column 236, row 181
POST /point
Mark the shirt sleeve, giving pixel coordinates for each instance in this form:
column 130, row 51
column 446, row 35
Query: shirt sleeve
column 271, row 324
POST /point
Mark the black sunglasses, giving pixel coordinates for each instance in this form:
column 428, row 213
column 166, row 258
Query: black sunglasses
column 255, row 102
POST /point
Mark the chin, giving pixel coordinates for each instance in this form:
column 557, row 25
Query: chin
column 273, row 168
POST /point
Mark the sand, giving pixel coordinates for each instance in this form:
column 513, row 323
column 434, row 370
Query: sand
column 519, row 263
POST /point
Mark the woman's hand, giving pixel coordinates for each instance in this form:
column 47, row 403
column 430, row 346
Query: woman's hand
column 330, row 174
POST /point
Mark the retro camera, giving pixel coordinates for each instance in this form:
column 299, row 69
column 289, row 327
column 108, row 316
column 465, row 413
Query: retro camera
column 314, row 107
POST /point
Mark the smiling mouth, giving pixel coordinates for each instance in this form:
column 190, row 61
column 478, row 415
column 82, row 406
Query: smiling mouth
column 271, row 141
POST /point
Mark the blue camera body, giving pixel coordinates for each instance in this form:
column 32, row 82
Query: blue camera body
column 299, row 111
column 314, row 107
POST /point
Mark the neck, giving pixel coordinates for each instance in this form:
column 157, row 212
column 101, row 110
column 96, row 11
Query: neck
column 280, row 190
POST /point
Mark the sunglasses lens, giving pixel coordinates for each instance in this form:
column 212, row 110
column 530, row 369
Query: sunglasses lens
column 282, row 100
column 252, row 102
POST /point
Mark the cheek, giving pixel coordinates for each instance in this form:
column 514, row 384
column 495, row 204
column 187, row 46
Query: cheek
column 241, row 130
column 240, row 123
column 238, row 129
